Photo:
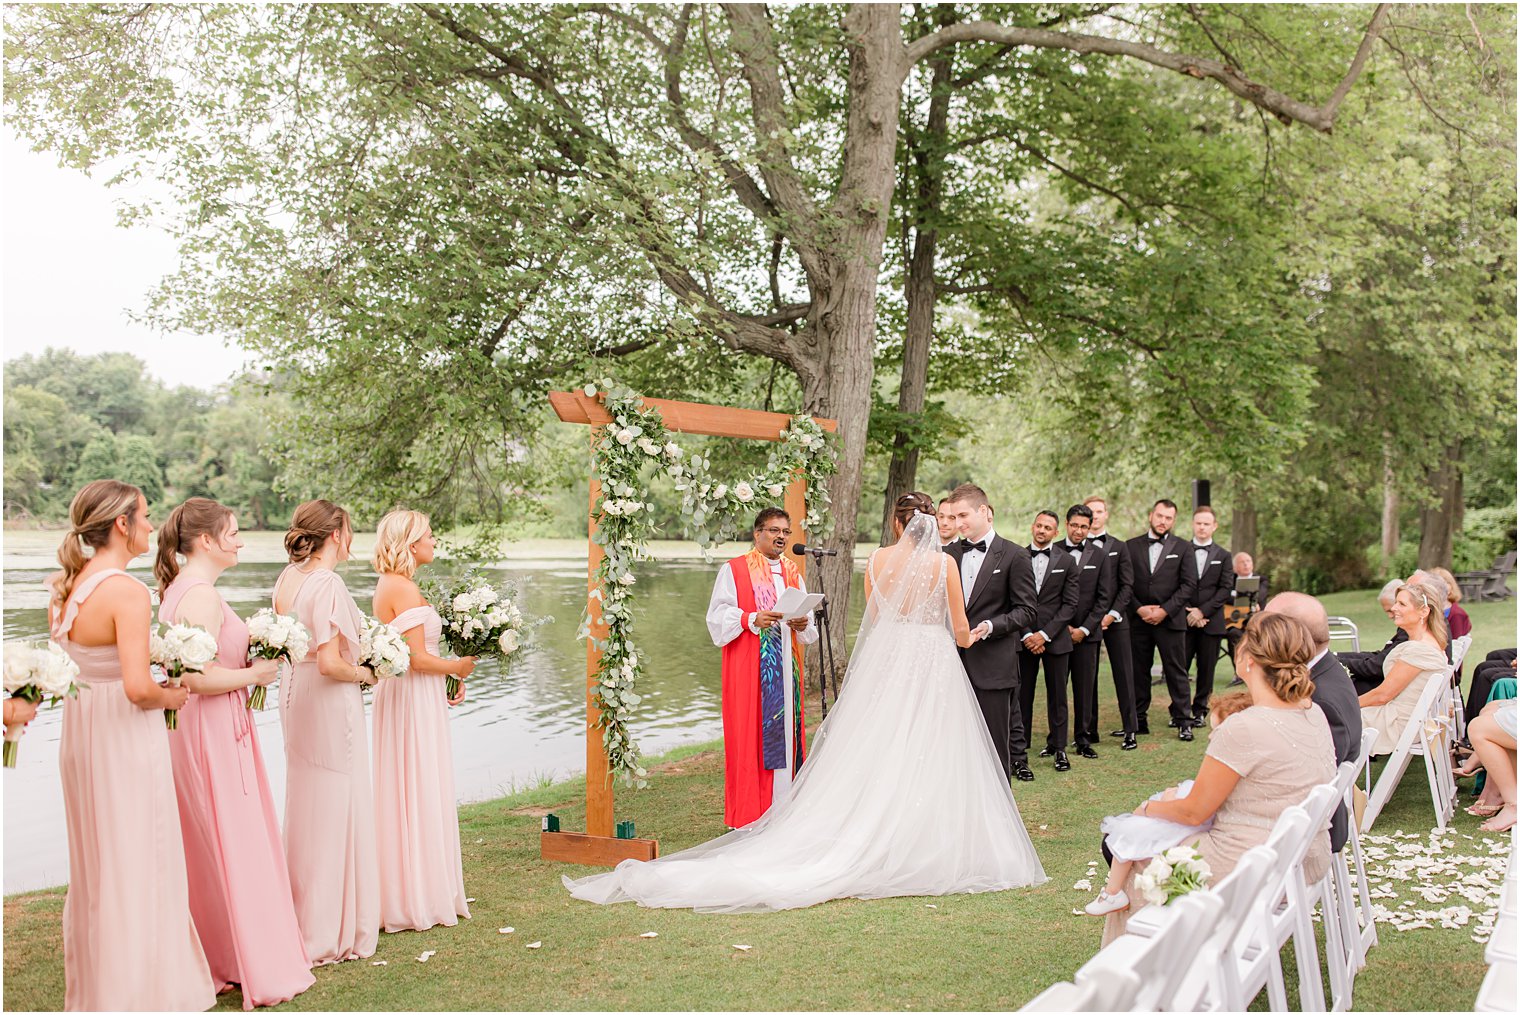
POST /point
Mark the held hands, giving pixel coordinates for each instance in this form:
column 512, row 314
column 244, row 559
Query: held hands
column 1152, row 614
column 981, row 632
column 1076, row 634
column 1035, row 642
column 1195, row 617
column 1108, row 618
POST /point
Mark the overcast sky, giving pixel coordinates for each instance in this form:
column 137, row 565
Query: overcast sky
column 72, row 274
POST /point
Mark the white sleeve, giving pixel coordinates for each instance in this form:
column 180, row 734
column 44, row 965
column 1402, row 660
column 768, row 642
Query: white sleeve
column 809, row 634
column 725, row 621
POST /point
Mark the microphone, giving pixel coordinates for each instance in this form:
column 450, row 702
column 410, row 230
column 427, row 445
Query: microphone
column 816, row 551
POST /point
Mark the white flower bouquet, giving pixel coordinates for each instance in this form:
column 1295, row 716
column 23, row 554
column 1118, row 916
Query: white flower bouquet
column 383, row 649
column 478, row 620
column 273, row 635
column 181, row 649
column 1173, row 874
column 34, row 673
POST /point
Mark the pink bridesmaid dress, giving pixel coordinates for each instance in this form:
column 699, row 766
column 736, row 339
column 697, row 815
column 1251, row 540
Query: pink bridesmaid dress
column 329, row 812
column 239, row 885
column 129, row 943
column 417, row 821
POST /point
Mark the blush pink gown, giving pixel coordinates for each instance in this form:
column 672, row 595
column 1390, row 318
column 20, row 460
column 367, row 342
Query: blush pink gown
column 129, row 943
column 239, row 885
column 417, row 821
column 329, row 812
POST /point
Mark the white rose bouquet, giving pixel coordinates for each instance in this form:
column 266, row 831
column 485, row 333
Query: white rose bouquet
column 273, row 635
column 383, row 649
column 33, row 673
column 1173, row 874
column 478, row 620
column 181, row 649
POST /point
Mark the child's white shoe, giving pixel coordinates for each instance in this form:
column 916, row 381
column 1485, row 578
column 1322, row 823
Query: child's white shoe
column 1106, row 903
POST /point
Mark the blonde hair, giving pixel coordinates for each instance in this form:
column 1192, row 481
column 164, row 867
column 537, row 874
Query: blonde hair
column 1453, row 590
column 92, row 516
column 1427, row 595
column 394, row 537
column 1282, row 646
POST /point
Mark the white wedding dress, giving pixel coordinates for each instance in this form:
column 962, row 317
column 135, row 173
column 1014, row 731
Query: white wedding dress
column 903, row 793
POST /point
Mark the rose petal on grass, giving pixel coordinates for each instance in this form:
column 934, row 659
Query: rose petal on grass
column 649, row 933
column 382, row 962
column 469, row 900
column 536, row 944
column 505, row 930
column 744, row 948
column 930, row 905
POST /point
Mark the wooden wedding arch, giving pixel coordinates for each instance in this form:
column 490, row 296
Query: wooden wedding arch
column 598, row 846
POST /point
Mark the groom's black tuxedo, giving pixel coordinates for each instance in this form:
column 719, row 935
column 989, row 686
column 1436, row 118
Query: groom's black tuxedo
column 1004, row 595
column 1171, row 587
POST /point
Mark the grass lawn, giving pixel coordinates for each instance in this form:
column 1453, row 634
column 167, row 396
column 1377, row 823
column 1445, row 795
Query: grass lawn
column 992, row 951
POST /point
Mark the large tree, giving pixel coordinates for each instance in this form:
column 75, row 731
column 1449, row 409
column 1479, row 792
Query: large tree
column 433, row 210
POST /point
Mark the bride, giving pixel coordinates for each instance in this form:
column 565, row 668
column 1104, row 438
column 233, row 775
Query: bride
column 903, row 793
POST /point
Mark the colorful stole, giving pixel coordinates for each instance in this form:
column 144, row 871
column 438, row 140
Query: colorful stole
column 773, row 731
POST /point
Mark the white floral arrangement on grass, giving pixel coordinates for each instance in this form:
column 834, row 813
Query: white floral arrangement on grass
column 33, row 673
column 626, row 451
column 1173, row 874
column 181, row 649
column 479, row 620
column 383, row 649
column 274, row 635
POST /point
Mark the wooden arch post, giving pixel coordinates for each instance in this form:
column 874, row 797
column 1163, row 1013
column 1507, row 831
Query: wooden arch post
column 598, row 846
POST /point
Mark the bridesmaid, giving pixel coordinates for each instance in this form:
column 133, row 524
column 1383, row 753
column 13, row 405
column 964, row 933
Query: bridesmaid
column 240, row 887
column 128, row 939
column 417, row 826
column 329, row 812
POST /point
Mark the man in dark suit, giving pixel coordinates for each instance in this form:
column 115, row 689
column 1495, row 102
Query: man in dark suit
column 1095, row 590
column 1115, row 624
column 1214, row 577
column 1163, row 589
column 998, row 583
column 1046, row 641
column 1333, row 691
column 1366, row 668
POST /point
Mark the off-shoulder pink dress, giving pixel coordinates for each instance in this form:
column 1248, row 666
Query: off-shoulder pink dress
column 329, row 812
column 239, row 884
column 129, row 943
column 417, row 826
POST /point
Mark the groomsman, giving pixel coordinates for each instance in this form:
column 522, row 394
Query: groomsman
column 1163, row 588
column 1095, row 590
column 946, row 523
column 1214, row 575
column 1047, row 640
column 998, row 583
column 1116, row 625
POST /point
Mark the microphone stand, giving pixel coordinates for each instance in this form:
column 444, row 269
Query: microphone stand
column 826, row 650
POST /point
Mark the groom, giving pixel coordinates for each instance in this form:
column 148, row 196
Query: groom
column 998, row 583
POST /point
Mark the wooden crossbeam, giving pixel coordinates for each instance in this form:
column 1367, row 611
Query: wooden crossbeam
column 686, row 417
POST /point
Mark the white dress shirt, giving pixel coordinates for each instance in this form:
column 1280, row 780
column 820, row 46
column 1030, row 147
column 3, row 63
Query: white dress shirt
column 1201, row 554
column 971, row 564
column 1155, row 549
column 1103, row 538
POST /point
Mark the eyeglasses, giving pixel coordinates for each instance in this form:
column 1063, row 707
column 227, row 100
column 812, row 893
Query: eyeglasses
column 776, row 532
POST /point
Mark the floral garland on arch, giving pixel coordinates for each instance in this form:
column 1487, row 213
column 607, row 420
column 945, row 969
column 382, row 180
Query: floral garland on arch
column 625, row 453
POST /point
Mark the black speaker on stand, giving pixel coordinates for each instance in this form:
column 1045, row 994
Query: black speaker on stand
column 1201, row 494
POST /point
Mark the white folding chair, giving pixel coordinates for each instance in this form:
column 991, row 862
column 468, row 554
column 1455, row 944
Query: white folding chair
column 1344, row 628
column 1298, row 906
column 1358, row 928
column 1252, row 955
column 1429, row 735
column 1340, row 946
column 1160, row 963
column 1459, row 650
column 1066, row 997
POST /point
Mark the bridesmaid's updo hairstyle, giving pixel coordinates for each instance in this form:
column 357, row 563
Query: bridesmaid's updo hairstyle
column 92, row 514
column 1282, row 647
column 910, row 504
column 394, row 537
column 312, row 525
column 196, row 517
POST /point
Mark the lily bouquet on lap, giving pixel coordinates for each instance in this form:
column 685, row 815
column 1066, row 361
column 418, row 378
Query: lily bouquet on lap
column 181, row 649
column 383, row 649
column 273, row 635
column 34, row 673
column 1173, row 874
column 478, row 620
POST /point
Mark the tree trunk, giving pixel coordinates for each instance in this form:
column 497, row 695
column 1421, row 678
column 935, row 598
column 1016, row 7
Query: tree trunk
column 1390, row 541
column 1243, row 525
column 1439, row 521
column 921, row 286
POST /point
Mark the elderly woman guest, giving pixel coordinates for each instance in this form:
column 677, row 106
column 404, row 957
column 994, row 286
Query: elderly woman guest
column 1259, row 761
column 1409, row 666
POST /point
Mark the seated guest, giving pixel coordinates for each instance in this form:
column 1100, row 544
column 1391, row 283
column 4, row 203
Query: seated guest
column 1410, row 665
column 1259, row 761
column 1499, row 663
column 1333, row 691
column 1493, row 738
column 1366, row 668
column 1458, row 623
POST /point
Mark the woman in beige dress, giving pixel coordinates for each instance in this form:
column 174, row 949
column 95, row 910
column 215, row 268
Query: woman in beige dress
column 1259, row 761
column 1409, row 668
column 329, row 810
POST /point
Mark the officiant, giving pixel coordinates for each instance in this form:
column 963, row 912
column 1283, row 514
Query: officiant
column 764, row 739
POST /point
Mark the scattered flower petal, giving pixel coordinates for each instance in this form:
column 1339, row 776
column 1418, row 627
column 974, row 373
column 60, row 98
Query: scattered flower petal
column 382, row 962
column 649, row 933
column 743, row 948
column 505, row 930
column 536, row 944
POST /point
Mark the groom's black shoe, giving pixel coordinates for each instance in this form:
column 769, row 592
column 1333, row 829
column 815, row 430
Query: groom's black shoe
column 1130, row 743
column 1063, row 763
column 1186, row 733
column 1045, row 752
column 1021, row 772
column 1086, row 751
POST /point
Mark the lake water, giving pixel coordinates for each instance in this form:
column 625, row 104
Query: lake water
column 516, row 729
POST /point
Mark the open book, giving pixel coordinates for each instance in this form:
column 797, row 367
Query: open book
column 795, row 603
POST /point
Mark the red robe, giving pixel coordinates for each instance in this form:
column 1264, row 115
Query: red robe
column 746, row 782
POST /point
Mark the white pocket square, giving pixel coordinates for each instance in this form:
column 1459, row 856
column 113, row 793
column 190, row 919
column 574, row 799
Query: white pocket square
column 997, row 570
column 1089, row 567
column 1171, row 556
column 1213, row 563
column 1059, row 570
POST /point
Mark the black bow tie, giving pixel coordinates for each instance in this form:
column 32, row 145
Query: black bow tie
column 1096, row 540
column 1074, row 550
column 967, row 544
column 1204, row 548
column 1156, row 539
column 1039, row 553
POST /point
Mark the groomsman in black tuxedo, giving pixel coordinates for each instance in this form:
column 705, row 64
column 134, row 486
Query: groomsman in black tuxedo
column 998, row 583
column 1214, row 577
column 1095, row 590
column 1163, row 589
column 1116, row 625
column 1046, row 641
